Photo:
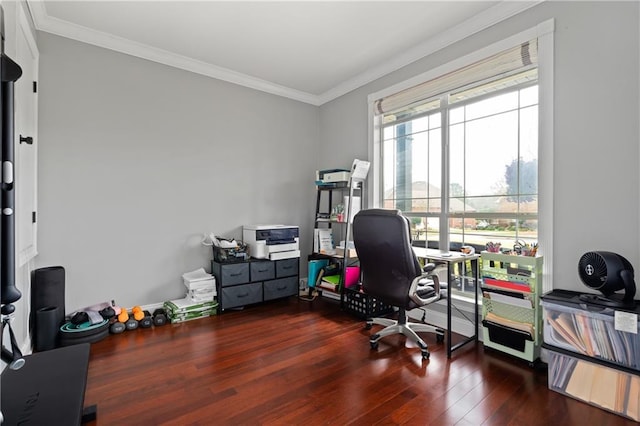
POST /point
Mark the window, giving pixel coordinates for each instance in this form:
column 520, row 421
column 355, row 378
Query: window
column 458, row 154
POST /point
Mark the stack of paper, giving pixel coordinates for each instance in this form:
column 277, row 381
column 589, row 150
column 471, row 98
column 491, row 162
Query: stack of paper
column 200, row 285
column 181, row 310
column 516, row 325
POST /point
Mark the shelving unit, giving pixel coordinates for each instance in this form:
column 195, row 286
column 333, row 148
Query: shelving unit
column 511, row 311
column 341, row 226
column 593, row 352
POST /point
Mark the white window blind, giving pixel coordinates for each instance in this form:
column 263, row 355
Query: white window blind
column 509, row 62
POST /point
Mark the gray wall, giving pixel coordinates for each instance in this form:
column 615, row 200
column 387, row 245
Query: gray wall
column 596, row 134
column 137, row 160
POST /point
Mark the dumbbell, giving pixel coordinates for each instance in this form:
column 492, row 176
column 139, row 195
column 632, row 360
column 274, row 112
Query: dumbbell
column 138, row 314
column 146, row 321
column 131, row 324
column 108, row 313
column 159, row 317
column 117, row 327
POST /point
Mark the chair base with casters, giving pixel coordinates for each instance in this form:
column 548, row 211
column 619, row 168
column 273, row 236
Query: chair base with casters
column 405, row 327
column 425, row 289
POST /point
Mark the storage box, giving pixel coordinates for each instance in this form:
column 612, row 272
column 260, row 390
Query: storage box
column 364, row 305
column 186, row 306
column 570, row 324
column 236, row 254
column 190, row 316
column 614, row 390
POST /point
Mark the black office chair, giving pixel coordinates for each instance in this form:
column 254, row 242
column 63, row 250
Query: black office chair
column 391, row 273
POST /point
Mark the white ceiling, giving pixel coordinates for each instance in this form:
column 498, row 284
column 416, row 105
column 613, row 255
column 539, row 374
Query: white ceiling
column 311, row 51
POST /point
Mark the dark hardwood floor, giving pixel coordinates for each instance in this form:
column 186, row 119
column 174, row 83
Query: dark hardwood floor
column 292, row 362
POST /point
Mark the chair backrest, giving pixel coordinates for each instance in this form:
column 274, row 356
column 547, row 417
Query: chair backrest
column 383, row 242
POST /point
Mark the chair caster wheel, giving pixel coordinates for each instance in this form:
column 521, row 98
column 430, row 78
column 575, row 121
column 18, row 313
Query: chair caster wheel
column 439, row 338
column 425, row 354
column 368, row 326
column 373, row 341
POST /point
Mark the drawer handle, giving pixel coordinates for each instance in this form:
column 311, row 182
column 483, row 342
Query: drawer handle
column 236, row 275
column 263, row 270
column 287, row 267
column 284, row 287
column 243, row 295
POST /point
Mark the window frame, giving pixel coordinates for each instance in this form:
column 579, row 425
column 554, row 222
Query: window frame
column 444, row 109
column 544, row 33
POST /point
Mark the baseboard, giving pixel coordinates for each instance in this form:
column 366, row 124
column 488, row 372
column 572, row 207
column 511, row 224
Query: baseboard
column 152, row 307
column 27, row 347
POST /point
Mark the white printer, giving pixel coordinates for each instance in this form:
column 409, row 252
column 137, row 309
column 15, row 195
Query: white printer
column 272, row 241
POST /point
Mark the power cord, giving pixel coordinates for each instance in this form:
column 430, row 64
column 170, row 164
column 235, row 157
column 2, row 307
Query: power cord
column 314, row 294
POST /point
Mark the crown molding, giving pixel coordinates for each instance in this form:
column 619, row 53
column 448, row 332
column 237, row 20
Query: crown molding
column 497, row 13
column 52, row 25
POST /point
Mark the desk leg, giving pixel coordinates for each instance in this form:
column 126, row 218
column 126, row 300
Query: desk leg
column 89, row 414
column 474, row 338
column 476, row 276
column 449, row 285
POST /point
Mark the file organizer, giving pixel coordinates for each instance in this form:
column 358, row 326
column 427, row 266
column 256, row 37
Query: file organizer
column 591, row 358
column 511, row 312
column 575, row 326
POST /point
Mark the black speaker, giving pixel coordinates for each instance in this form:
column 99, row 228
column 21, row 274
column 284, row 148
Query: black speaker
column 47, row 294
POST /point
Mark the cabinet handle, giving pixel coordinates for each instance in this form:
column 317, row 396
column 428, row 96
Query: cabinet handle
column 26, row 139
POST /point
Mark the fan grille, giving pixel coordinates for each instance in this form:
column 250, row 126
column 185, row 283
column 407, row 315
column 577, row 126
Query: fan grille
column 593, row 270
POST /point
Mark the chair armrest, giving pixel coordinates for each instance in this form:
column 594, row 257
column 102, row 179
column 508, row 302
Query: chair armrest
column 415, row 287
column 429, row 267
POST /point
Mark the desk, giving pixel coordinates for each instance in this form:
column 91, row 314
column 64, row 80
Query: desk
column 451, row 258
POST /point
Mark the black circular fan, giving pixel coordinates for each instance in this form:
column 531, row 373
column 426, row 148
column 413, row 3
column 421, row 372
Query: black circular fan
column 607, row 272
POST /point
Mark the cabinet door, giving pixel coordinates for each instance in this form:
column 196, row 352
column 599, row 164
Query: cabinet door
column 282, row 287
column 232, row 273
column 287, row 267
column 261, row 271
column 241, row 295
